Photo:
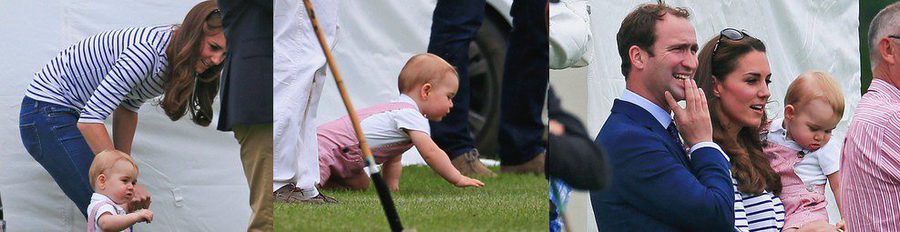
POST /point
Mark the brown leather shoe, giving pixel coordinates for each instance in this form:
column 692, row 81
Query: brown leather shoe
column 469, row 165
column 292, row 194
column 320, row 199
column 535, row 165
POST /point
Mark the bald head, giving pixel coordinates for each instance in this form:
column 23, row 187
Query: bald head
column 883, row 25
column 424, row 68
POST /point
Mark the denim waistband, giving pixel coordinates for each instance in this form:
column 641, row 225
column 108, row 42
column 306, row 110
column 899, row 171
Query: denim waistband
column 29, row 102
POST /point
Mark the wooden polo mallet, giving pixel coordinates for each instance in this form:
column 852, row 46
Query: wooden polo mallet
column 384, row 194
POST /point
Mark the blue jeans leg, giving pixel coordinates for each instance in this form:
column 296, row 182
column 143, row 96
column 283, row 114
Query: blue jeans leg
column 50, row 134
column 525, row 77
column 454, row 25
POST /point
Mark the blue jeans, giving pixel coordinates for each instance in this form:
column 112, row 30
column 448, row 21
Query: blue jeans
column 525, row 76
column 454, row 25
column 50, row 134
column 526, row 73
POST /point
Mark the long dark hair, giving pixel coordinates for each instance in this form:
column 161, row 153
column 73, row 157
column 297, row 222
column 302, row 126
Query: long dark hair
column 749, row 164
column 187, row 90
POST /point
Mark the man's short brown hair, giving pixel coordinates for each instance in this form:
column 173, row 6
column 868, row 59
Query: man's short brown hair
column 639, row 29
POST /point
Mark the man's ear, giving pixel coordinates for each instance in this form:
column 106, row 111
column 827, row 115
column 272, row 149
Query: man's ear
column 425, row 91
column 717, row 87
column 885, row 48
column 637, row 56
column 101, row 181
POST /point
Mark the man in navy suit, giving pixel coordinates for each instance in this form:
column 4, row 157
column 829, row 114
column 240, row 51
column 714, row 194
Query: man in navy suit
column 659, row 183
column 246, row 98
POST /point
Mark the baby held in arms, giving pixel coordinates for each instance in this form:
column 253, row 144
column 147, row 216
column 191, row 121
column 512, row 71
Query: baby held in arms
column 801, row 149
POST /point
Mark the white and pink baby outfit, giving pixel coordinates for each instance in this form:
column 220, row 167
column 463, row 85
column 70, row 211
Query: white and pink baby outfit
column 803, row 173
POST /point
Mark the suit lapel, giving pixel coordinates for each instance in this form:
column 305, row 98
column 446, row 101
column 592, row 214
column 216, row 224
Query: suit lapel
column 646, row 120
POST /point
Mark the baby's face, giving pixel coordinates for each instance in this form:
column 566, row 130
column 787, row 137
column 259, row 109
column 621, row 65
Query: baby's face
column 812, row 124
column 440, row 100
column 120, row 181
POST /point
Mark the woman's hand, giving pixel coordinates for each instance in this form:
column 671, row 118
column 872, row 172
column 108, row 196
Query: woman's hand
column 816, row 226
column 140, row 200
column 842, row 225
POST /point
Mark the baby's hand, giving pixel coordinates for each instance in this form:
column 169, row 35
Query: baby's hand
column 144, row 215
column 394, row 188
column 467, row 182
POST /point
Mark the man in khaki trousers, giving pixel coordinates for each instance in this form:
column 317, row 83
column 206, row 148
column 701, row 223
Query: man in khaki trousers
column 246, row 98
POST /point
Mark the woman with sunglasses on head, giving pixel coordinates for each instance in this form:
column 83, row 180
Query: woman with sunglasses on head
column 734, row 74
column 114, row 73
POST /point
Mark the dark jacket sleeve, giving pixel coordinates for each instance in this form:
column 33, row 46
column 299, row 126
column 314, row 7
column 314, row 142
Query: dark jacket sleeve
column 246, row 81
column 654, row 182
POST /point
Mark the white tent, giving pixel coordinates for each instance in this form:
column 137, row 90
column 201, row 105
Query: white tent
column 799, row 36
column 193, row 173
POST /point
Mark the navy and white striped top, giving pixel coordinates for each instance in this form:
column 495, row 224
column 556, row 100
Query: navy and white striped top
column 763, row 212
column 121, row 67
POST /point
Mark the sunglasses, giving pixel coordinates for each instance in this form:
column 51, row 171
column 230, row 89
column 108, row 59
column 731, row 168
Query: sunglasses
column 730, row 33
column 894, row 36
column 215, row 12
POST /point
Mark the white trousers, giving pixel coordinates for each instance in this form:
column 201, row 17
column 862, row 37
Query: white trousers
column 299, row 76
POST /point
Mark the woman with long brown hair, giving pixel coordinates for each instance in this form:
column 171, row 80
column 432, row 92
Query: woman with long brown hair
column 734, row 74
column 114, row 73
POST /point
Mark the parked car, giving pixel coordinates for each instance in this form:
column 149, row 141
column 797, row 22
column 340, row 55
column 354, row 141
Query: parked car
column 486, row 56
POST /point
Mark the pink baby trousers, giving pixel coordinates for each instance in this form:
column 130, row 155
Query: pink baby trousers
column 339, row 153
column 802, row 203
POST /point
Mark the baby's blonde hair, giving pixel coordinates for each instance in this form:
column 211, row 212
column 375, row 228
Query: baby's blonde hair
column 106, row 160
column 815, row 85
column 424, row 68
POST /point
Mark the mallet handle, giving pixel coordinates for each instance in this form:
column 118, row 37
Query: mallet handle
column 383, row 193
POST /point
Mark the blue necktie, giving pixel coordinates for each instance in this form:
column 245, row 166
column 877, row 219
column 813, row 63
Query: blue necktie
column 673, row 132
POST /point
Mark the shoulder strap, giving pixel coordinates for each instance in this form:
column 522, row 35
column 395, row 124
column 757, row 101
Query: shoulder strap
column 365, row 113
column 92, row 216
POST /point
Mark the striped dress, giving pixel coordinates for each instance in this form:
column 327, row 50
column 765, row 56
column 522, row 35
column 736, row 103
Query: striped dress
column 763, row 212
column 870, row 164
column 121, row 67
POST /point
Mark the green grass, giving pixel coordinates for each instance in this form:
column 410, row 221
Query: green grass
column 425, row 202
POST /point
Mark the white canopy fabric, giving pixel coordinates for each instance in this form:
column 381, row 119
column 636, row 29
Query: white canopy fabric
column 193, row 173
column 799, row 36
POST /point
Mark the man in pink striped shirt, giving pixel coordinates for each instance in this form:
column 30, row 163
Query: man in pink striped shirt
column 870, row 165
